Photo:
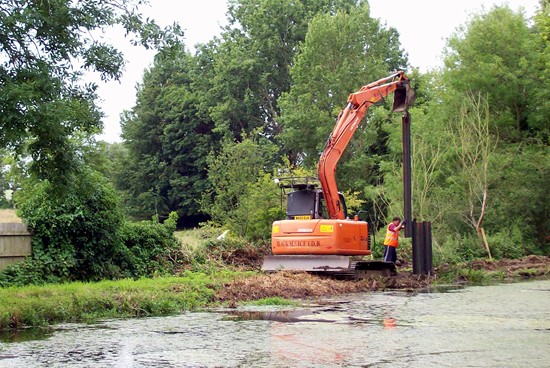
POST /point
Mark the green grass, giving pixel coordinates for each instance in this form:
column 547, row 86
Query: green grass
column 470, row 276
column 189, row 238
column 34, row 306
column 474, row 276
column 274, row 301
column 194, row 238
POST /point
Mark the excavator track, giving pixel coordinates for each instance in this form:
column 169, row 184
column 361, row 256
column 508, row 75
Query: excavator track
column 365, row 269
column 339, row 267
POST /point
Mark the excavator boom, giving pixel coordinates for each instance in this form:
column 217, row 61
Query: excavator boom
column 346, row 125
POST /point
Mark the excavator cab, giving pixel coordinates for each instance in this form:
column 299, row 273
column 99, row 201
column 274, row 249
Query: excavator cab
column 307, row 204
column 303, row 205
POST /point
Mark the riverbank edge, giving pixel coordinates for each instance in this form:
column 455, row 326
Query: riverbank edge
column 43, row 306
column 89, row 302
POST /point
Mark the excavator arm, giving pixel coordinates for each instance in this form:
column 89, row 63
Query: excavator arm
column 346, row 125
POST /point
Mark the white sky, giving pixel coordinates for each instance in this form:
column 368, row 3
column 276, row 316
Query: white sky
column 423, row 25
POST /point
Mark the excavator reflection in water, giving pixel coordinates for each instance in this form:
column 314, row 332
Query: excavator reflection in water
column 317, row 235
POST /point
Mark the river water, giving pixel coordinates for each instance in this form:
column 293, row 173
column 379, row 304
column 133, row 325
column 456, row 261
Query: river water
column 505, row 325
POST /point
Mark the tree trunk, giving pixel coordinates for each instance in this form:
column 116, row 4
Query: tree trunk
column 484, row 238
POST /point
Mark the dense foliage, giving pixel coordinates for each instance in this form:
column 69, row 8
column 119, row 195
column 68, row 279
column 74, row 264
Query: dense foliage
column 74, row 236
column 168, row 140
column 147, row 245
column 82, row 236
column 46, row 47
column 246, row 207
column 210, row 131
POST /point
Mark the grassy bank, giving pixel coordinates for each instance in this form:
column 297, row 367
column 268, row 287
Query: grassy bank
column 89, row 302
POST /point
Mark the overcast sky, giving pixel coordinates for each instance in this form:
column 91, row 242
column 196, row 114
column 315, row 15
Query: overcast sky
column 423, row 25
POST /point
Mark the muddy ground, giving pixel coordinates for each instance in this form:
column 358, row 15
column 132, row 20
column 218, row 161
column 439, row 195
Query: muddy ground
column 299, row 285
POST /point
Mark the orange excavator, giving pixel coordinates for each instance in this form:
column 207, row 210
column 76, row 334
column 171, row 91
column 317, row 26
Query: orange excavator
column 318, row 235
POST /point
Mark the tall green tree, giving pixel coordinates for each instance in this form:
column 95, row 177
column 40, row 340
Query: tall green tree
column 46, row 46
column 496, row 53
column 167, row 141
column 341, row 53
column 253, row 61
column 538, row 117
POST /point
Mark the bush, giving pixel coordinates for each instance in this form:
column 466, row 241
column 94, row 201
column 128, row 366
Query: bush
column 148, row 245
column 257, row 210
column 244, row 197
column 75, row 232
column 79, row 234
column 508, row 243
column 457, row 248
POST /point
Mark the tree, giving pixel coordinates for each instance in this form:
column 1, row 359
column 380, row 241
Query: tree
column 495, row 54
column 167, row 140
column 253, row 59
column 540, row 81
column 522, row 199
column 46, row 46
column 474, row 147
column 341, row 53
column 240, row 193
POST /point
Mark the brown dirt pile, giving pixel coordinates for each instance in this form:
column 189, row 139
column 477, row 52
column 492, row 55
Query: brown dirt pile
column 301, row 285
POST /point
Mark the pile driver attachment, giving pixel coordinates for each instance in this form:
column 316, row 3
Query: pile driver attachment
column 404, row 97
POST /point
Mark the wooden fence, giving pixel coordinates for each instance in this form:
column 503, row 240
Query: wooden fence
column 15, row 243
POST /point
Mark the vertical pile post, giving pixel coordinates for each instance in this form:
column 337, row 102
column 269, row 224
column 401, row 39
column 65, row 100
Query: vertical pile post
column 422, row 247
column 407, row 193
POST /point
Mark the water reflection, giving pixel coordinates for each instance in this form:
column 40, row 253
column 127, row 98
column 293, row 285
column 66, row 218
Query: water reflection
column 286, row 316
column 304, row 315
column 27, row 334
column 390, row 323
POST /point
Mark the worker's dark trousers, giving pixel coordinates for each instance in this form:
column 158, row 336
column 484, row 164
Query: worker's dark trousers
column 390, row 254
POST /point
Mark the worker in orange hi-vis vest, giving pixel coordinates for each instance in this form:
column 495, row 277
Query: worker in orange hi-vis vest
column 391, row 241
